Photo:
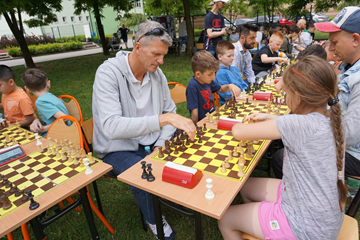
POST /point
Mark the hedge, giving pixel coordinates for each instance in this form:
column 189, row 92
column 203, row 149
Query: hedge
column 45, row 48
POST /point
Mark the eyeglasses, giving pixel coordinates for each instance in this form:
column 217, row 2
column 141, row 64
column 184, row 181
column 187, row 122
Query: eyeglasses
column 155, row 32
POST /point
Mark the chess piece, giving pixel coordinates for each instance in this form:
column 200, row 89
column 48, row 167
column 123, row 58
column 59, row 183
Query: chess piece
column 70, row 159
column 5, row 202
column 24, row 197
column 235, row 152
column 199, row 140
column 211, row 119
column 209, row 193
column 17, row 193
column 169, row 157
column 243, row 144
column 82, row 153
column 161, row 154
column 91, row 158
column 37, row 137
column 230, row 157
column 81, row 162
column 49, row 150
column 76, row 161
column 176, row 150
column 13, row 140
column 223, row 169
column 207, row 117
column 64, row 158
column 4, row 182
column 182, row 147
column 205, row 129
column 256, row 142
column 88, row 170
column 33, row 205
column 13, row 189
column 8, row 184
column 241, row 159
column 58, row 154
column 150, row 177
column 241, row 170
column 227, row 164
column 50, row 142
column 144, row 174
column 26, row 134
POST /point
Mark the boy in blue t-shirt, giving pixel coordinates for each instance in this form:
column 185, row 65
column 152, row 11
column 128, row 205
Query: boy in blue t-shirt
column 49, row 107
column 227, row 74
column 201, row 86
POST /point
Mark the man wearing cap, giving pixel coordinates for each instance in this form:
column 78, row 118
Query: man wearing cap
column 133, row 110
column 344, row 36
column 214, row 27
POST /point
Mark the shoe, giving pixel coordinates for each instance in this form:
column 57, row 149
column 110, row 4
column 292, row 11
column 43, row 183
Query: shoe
column 168, row 232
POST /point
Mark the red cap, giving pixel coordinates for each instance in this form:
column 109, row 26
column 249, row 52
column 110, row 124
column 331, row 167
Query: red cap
column 326, row 27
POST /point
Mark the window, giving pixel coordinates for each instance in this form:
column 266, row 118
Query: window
column 138, row 4
column 88, row 18
column 64, row 19
column 72, row 19
column 80, row 18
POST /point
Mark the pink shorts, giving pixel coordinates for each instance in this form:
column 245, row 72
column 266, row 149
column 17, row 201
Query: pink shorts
column 273, row 221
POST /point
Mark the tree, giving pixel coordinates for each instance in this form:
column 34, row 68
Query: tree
column 97, row 6
column 235, row 8
column 296, row 7
column 42, row 13
column 133, row 19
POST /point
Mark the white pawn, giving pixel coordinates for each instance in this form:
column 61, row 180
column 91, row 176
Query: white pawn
column 209, row 194
column 88, row 169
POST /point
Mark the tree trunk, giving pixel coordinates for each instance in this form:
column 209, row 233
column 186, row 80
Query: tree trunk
column 189, row 29
column 19, row 36
column 100, row 28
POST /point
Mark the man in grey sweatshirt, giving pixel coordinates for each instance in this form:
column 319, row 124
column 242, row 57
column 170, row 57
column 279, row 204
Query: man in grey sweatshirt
column 132, row 109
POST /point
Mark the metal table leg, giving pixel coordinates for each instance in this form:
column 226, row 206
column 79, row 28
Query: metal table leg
column 198, row 218
column 37, row 228
column 89, row 214
column 158, row 218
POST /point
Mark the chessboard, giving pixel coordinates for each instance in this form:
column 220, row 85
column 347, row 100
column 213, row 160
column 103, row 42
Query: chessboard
column 240, row 110
column 18, row 134
column 266, row 88
column 210, row 152
column 40, row 172
column 16, row 179
column 56, row 165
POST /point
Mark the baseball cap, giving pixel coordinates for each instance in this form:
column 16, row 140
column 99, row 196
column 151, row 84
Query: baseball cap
column 347, row 19
column 225, row 1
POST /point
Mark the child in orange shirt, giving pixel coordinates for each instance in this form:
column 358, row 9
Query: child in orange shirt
column 16, row 104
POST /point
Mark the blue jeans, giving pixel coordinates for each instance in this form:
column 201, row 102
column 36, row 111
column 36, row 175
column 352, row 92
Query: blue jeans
column 121, row 161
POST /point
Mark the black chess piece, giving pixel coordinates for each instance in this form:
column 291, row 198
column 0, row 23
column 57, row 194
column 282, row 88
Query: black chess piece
column 13, row 189
column 33, row 205
column 8, row 184
column 4, row 182
column 200, row 140
column 176, row 151
column 150, row 177
column 143, row 167
column 204, row 128
column 161, row 154
column 17, row 193
column 6, row 203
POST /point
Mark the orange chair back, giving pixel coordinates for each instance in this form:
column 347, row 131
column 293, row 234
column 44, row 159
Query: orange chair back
column 178, row 93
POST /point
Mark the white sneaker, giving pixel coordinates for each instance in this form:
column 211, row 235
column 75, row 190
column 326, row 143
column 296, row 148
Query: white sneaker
column 168, row 232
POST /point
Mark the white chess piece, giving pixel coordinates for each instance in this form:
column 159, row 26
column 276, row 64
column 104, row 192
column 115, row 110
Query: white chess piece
column 209, row 194
column 37, row 137
column 88, row 169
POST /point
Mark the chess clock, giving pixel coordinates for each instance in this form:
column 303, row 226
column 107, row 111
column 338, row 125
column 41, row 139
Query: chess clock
column 11, row 154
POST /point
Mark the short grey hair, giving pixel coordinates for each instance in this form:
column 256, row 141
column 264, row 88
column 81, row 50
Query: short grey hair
column 146, row 27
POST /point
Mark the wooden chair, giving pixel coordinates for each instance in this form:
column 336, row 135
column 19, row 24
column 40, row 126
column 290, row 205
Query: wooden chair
column 73, row 107
column 178, row 93
column 349, row 230
column 58, row 130
column 32, row 98
column 199, row 46
column 216, row 99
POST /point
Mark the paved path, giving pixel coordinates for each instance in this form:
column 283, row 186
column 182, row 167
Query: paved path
column 51, row 57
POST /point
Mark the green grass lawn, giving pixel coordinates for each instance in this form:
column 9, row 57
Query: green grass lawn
column 75, row 76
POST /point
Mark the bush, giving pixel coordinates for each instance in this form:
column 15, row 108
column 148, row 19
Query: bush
column 197, row 32
column 32, row 49
column 30, row 39
column 79, row 45
column 66, row 46
column 56, row 47
column 42, row 49
column 14, row 51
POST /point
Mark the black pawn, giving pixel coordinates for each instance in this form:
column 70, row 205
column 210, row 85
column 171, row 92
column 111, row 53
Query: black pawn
column 176, row 151
column 161, row 154
column 150, row 177
column 24, row 197
column 33, row 205
column 143, row 167
column 200, row 141
column 204, row 128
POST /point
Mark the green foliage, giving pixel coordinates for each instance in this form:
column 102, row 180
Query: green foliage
column 297, row 6
column 133, row 19
column 235, row 8
column 14, row 51
column 197, row 32
column 32, row 49
column 176, row 8
column 56, row 47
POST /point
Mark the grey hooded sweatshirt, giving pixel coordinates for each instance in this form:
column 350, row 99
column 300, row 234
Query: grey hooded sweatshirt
column 116, row 126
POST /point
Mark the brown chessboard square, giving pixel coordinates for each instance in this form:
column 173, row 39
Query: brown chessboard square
column 228, row 147
column 209, row 144
column 223, row 141
column 215, row 150
column 196, row 146
column 44, row 169
column 58, row 168
column 185, row 155
column 200, row 153
column 54, row 176
column 216, row 136
column 220, row 157
column 189, row 163
column 233, row 174
column 211, row 168
column 205, row 160
column 205, row 138
column 39, row 157
column 212, row 130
